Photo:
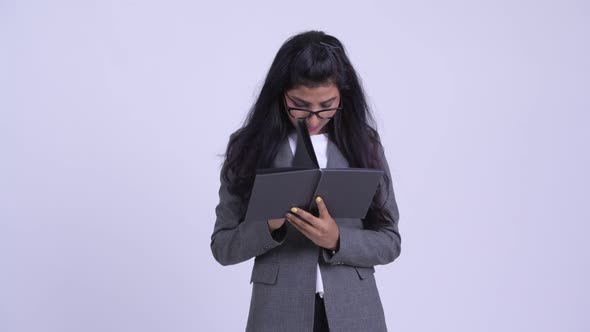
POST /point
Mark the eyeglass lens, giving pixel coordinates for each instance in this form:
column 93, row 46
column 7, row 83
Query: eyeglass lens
column 304, row 114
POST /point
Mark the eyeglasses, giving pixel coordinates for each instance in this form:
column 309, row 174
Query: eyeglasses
column 301, row 113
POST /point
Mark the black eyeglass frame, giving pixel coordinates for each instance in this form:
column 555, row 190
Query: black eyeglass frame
column 288, row 109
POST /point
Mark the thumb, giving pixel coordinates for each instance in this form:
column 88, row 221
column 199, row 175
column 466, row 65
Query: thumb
column 323, row 210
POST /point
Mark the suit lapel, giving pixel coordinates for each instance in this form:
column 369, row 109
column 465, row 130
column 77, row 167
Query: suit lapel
column 284, row 157
column 335, row 157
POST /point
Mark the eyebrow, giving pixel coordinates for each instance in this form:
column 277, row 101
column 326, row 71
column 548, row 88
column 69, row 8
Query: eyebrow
column 306, row 103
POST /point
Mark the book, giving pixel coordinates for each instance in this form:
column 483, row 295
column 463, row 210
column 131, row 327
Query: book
column 347, row 192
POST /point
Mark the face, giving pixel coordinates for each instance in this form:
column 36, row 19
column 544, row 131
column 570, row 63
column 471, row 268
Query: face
column 313, row 99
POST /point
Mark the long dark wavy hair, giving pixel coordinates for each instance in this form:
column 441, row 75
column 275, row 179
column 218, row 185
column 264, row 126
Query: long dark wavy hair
column 309, row 59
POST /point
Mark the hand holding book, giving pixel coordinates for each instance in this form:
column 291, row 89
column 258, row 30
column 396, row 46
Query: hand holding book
column 321, row 230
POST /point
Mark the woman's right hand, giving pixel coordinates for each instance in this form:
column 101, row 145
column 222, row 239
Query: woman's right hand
column 275, row 223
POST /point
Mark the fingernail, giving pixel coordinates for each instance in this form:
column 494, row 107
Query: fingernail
column 293, row 209
column 318, row 199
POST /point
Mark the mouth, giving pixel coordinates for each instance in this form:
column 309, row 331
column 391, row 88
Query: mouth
column 312, row 129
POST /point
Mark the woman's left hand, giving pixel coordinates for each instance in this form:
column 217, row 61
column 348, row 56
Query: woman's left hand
column 322, row 230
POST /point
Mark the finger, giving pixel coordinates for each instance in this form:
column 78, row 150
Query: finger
column 322, row 208
column 276, row 223
column 304, row 215
column 302, row 223
column 299, row 224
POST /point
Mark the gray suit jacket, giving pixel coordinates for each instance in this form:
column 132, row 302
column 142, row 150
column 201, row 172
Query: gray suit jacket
column 284, row 273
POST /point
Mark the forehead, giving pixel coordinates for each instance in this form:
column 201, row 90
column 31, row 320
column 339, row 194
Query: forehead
column 317, row 93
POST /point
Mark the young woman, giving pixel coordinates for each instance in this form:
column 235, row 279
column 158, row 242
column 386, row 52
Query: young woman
column 304, row 254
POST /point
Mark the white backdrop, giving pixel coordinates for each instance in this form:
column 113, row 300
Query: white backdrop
column 113, row 115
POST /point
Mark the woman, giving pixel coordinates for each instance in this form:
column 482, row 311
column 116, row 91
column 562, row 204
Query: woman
column 310, row 78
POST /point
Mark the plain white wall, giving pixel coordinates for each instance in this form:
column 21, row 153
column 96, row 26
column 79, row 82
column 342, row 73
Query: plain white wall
column 113, row 114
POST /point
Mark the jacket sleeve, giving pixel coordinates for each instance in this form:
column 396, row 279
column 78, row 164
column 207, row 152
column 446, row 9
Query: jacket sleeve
column 365, row 247
column 234, row 239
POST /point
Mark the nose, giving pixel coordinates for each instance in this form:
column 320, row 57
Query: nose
column 313, row 121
